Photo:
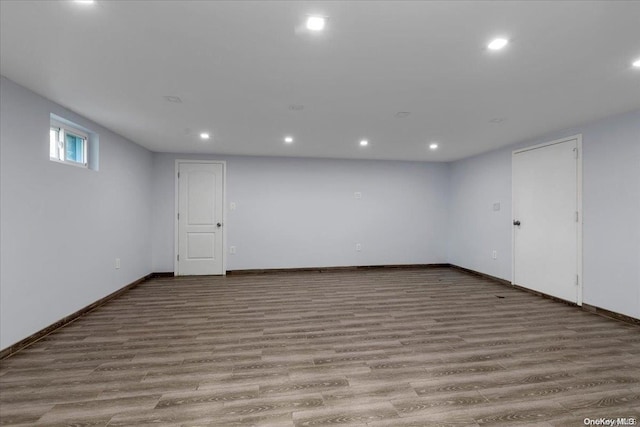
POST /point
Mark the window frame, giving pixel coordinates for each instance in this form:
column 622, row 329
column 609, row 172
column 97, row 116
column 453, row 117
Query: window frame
column 63, row 129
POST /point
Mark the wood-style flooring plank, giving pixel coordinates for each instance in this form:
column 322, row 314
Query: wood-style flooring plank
column 378, row 348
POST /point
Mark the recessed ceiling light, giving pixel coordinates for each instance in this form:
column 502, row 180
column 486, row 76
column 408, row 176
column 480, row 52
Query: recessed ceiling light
column 433, row 146
column 364, row 143
column 205, row 135
column 497, row 44
column 85, row 1
column 497, row 120
column 636, row 63
column 316, row 23
column 170, row 98
column 288, row 139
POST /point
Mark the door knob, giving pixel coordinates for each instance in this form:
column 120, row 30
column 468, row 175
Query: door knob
column 516, row 222
column 219, row 225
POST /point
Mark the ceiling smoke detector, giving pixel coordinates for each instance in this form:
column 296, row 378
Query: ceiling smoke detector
column 296, row 107
column 402, row 114
column 174, row 99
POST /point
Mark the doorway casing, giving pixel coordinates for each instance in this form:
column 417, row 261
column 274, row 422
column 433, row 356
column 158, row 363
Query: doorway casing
column 579, row 211
column 177, row 209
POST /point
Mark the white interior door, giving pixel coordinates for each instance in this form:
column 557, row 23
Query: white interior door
column 546, row 220
column 200, row 218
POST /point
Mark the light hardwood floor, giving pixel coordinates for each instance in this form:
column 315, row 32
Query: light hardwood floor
column 419, row 347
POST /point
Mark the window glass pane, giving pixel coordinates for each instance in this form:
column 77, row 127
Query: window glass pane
column 74, row 151
column 53, row 143
column 67, row 144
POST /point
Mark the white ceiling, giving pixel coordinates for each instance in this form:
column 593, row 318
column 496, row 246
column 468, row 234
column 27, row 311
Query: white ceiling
column 238, row 66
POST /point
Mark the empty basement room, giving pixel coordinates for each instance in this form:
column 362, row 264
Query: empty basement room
column 309, row 213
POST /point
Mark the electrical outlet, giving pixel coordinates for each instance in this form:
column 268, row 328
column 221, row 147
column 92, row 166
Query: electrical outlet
column 494, row 255
column 496, row 206
column 232, row 250
column 357, row 195
column 232, row 206
column 358, row 247
column 117, row 263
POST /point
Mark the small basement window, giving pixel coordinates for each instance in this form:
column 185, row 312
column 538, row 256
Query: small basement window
column 68, row 145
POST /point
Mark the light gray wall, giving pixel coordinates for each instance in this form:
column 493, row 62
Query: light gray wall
column 476, row 230
column 63, row 226
column 611, row 212
column 302, row 212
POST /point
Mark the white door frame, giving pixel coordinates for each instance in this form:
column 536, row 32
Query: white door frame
column 578, row 139
column 177, row 208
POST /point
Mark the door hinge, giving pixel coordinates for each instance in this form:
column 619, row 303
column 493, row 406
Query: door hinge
column 577, row 217
column 577, row 280
column 178, row 175
column 178, row 257
column 178, row 216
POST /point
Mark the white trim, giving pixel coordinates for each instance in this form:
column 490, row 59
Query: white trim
column 74, row 130
column 67, row 162
column 554, row 142
column 175, row 217
column 176, row 189
column 578, row 139
column 63, row 129
column 580, row 215
column 513, row 234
